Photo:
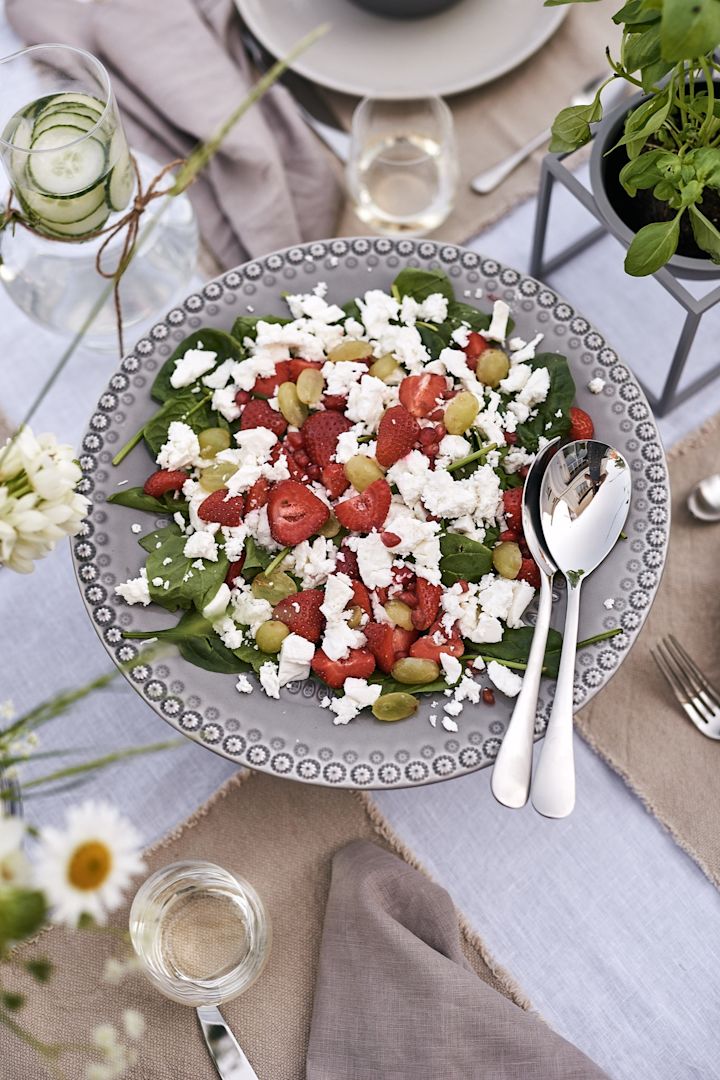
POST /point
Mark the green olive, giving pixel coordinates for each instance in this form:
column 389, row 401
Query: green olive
column 384, row 367
column 507, row 559
column 309, row 386
column 273, row 587
column 362, row 471
column 492, row 367
column 330, row 528
column 460, row 412
column 290, row 404
column 216, row 476
column 396, row 706
column 399, row 614
column 350, row 350
column 270, row 635
column 212, row 440
column 415, row 671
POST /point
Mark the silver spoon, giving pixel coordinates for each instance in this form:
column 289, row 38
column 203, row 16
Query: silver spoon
column 704, row 499
column 584, row 502
column 228, row 1058
column 510, row 783
column 487, row 181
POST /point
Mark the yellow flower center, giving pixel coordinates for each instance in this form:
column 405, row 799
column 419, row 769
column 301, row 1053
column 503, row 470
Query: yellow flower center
column 90, row 865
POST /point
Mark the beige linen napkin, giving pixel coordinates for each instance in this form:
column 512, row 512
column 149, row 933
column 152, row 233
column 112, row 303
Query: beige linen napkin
column 178, row 70
column 396, row 998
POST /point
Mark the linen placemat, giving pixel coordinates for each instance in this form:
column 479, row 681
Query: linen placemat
column 635, row 724
column 495, row 120
column 281, row 836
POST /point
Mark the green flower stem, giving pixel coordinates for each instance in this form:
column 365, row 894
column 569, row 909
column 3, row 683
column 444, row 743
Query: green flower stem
column 100, row 763
column 710, row 114
column 276, row 562
column 481, row 453
column 18, row 485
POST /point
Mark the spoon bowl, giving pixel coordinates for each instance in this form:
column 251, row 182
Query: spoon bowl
column 704, row 499
column 584, row 502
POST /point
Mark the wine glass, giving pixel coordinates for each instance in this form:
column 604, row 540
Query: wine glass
column 65, row 154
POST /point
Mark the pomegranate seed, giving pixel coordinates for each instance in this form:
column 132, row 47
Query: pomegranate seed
column 510, row 438
column 464, row 586
column 488, row 696
column 295, row 440
column 524, row 549
column 524, row 471
column 447, row 394
column 301, row 458
column 431, row 450
column 403, row 575
column 241, row 398
column 509, row 536
column 471, row 362
column 427, row 435
column 440, row 431
column 436, row 414
column 314, row 472
column 390, row 539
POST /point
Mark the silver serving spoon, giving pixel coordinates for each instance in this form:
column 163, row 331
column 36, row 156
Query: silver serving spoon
column 510, row 783
column 704, row 499
column 584, row 501
column 229, row 1060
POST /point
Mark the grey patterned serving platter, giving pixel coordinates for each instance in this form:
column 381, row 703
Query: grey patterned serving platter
column 294, row 737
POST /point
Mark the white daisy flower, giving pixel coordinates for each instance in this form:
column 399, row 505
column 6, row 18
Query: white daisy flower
column 14, row 867
column 85, row 867
column 38, row 501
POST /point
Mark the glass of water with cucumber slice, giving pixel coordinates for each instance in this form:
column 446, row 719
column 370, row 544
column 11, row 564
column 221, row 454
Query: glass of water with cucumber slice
column 67, row 159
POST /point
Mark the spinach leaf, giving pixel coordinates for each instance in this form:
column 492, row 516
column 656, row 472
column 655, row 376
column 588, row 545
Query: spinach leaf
column 422, row 283
column 136, row 499
column 188, row 585
column 246, row 325
column 463, row 559
column 390, row 686
column 352, row 310
column 560, row 397
column 192, row 624
column 192, row 409
column 211, row 654
column 217, row 341
column 515, row 646
column 433, row 340
column 459, row 313
column 256, row 559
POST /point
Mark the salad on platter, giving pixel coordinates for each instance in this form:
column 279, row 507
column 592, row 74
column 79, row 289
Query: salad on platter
column 343, row 491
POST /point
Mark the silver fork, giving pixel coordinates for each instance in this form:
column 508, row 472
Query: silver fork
column 697, row 696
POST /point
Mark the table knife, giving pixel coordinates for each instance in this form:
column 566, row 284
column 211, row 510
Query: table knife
column 229, row 1060
column 314, row 110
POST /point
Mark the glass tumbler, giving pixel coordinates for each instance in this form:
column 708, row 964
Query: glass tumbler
column 65, row 154
column 403, row 168
column 201, row 932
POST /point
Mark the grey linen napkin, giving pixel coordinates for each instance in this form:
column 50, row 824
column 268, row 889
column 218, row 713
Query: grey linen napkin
column 396, row 999
column 178, row 70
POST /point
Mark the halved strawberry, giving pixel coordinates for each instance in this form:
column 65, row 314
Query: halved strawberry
column 301, row 613
column 581, row 426
column 334, row 479
column 428, row 604
column 475, row 346
column 380, row 642
column 512, row 505
column 420, row 393
column 267, row 385
column 297, row 365
column 258, row 413
column 366, row 511
column 320, row 435
column 361, row 597
column 164, row 480
column 221, row 509
column 258, row 494
column 397, row 434
column 402, row 640
column 358, row 664
column 529, row 572
column 294, row 513
column 437, row 641
column 235, row 570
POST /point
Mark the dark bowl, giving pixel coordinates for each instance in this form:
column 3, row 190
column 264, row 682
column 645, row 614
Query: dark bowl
column 405, row 9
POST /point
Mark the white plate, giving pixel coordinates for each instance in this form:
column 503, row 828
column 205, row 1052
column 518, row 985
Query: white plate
column 367, row 55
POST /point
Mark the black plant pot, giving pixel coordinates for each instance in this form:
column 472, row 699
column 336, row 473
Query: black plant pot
column 623, row 214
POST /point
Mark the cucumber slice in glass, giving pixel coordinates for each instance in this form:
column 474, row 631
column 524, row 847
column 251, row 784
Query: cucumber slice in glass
column 120, row 184
column 62, row 211
column 76, row 165
column 59, row 118
column 85, row 225
column 72, row 98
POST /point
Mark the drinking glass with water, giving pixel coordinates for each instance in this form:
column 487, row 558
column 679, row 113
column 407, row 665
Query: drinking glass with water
column 403, row 167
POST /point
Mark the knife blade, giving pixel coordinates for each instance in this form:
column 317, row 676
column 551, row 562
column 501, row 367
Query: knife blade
column 314, row 110
column 228, row 1058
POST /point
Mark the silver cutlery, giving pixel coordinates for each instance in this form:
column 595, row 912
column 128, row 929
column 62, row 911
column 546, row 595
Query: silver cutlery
column 487, row 181
column 584, row 501
column 696, row 695
column 704, row 499
column 229, row 1060
column 510, row 782
column 316, row 113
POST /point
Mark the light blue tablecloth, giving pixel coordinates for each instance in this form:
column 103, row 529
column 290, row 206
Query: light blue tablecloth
column 611, row 930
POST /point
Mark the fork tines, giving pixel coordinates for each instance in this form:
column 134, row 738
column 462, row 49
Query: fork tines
column 697, row 696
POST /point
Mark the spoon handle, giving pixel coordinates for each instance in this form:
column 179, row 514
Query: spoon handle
column 553, row 789
column 511, row 773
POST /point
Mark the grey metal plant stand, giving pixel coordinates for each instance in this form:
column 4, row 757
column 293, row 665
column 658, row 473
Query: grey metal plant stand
column 553, row 170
